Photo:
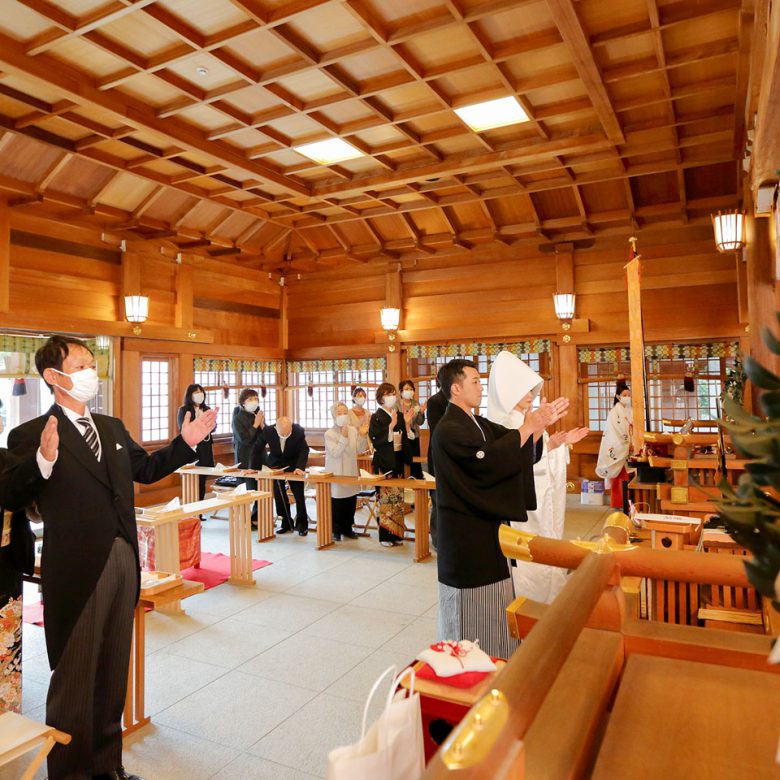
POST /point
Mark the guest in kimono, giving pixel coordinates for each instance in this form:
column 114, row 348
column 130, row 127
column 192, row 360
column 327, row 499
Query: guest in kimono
column 616, row 447
column 358, row 417
column 341, row 451
column 414, row 416
column 385, row 431
column 512, row 388
column 484, row 477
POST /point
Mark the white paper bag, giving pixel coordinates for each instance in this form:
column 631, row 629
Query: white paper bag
column 392, row 749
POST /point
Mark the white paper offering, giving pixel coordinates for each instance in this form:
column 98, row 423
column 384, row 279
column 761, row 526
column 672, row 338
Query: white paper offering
column 219, row 467
column 428, row 477
column 240, row 490
column 366, row 474
column 174, row 503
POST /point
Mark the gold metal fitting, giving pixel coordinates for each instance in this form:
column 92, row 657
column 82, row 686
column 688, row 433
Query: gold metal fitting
column 391, row 347
column 136, row 330
column 191, row 334
column 566, row 326
column 566, row 338
column 474, row 737
column 604, row 545
column 515, row 544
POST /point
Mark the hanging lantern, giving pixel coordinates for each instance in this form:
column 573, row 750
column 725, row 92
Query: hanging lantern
column 136, row 308
column 564, row 305
column 390, row 318
column 729, row 230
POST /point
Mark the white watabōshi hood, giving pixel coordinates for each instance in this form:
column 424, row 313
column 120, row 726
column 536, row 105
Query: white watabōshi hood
column 510, row 379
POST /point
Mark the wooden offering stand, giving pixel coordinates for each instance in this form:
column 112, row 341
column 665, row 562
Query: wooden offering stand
column 20, row 735
column 592, row 693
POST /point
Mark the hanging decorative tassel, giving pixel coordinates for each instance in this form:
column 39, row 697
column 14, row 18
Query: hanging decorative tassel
column 688, row 380
column 263, row 391
column 310, row 388
column 20, row 387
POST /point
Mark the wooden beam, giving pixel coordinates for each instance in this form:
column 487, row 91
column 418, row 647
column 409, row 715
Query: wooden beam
column 183, row 312
column 566, row 19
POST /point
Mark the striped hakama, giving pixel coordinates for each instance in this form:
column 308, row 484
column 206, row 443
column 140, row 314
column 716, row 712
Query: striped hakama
column 478, row 613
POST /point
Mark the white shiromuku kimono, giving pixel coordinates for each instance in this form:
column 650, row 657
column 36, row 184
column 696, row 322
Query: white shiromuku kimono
column 510, row 380
column 615, row 444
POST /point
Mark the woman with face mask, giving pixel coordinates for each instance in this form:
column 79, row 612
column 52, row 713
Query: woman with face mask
column 616, row 446
column 386, row 433
column 512, row 388
column 341, row 451
column 195, row 404
column 358, row 417
column 413, row 416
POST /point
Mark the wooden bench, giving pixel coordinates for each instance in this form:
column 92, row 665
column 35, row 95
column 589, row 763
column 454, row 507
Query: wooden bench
column 20, row 735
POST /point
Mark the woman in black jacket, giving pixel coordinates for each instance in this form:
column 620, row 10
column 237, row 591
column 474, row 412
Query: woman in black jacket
column 248, row 421
column 195, row 404
column 385, row 430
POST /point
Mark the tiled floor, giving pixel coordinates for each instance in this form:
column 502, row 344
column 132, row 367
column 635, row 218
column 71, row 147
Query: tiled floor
column 260, row 683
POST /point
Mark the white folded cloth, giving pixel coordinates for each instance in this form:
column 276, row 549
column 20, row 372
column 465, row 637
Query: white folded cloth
column 219, row 467
column 428, row 477
column 174, row 503
column 450, row 658
column 240, row 490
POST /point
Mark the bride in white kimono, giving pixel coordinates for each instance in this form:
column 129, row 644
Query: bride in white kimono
column 615, row 445
column 512, row 388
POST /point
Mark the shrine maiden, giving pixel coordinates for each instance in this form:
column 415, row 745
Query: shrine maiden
column 512, row 388
column 616, row 445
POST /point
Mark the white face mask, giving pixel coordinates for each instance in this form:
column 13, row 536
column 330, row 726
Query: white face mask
column 341, row 420
column 408, row 394
column 625, row 400
column 251, row 406
column 514, row 419
column 389, row 401
column 198, row 398
column 359, row 401
column 85, row 384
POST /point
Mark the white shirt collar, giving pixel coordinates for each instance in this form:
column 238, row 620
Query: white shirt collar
column 75, row 416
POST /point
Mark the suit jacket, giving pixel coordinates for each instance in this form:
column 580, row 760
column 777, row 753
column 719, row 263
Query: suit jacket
column 245, row 436
column 296, row 450
column 484, row 477
column 85, row 504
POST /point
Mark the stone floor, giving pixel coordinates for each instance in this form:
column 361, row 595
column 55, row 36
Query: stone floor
column 256, row 683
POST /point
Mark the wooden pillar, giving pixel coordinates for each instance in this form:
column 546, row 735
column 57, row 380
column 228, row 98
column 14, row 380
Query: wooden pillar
column 761, row 288
column 184, row 315
column 394, row 299
column 567, row 378
column 5, row 256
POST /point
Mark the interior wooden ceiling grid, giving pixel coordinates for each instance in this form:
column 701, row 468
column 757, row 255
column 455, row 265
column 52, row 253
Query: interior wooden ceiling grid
column 176, row 120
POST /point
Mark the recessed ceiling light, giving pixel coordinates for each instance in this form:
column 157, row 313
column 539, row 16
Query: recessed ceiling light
column 328, row 152
column 492, row 113
column 201, row 71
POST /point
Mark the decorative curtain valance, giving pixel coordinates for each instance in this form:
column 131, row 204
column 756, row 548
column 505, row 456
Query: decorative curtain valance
column 230, row 364
column 341, row 364
column 692, row 351
column 419, row 351
column 603, row 354
column 17, row 355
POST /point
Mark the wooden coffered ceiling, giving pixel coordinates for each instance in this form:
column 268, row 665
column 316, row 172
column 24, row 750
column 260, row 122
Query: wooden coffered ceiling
column 175, row 120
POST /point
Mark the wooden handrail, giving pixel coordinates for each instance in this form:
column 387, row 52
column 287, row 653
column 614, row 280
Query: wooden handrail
column 523, row 683
column 675, row 565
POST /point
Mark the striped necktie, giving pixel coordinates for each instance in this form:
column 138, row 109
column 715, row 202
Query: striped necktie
column 90, row 436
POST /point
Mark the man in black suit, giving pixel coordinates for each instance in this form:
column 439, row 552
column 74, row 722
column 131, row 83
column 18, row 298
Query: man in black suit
column 287, row 449
column 89, row 568
column 437, row 405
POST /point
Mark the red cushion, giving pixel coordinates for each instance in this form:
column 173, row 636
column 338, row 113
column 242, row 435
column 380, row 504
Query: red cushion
column 465, row 680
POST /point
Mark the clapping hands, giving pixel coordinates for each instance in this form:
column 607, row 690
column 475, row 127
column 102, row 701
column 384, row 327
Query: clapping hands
column 567, row 437
column 547, row 414
column 194, row 431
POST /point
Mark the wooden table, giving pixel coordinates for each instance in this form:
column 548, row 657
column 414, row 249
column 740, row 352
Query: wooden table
column 322, row 485
column 134, row 716
column 166, row 524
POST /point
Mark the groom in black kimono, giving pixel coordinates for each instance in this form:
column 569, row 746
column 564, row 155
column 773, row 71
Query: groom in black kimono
column 484, row 477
